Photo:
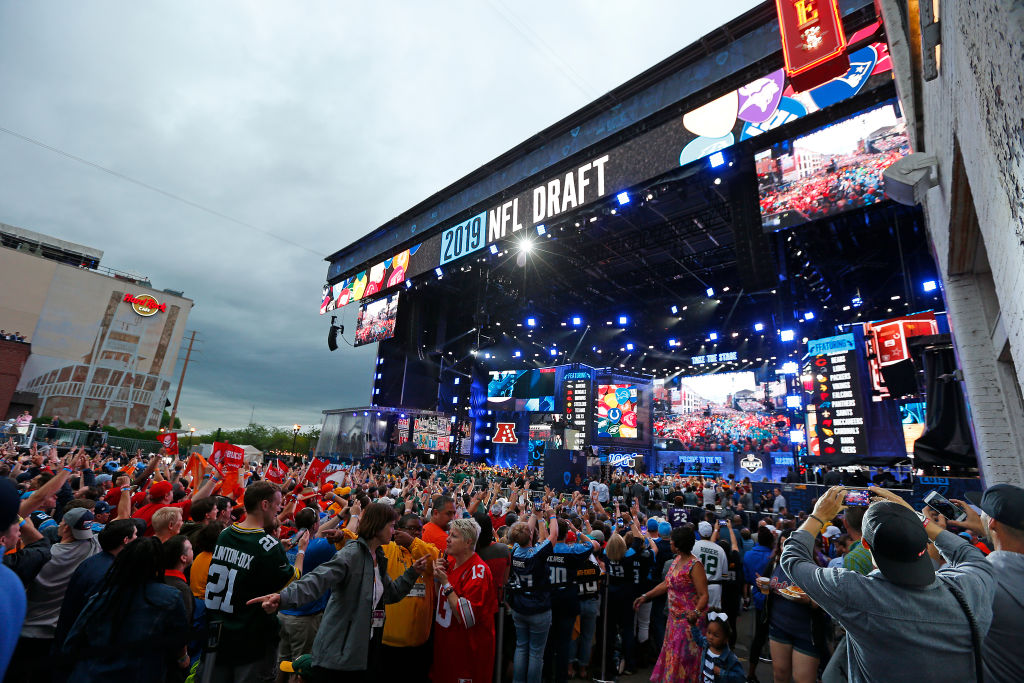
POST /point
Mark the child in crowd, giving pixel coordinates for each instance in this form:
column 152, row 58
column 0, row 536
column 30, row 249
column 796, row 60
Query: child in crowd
column 718, row 663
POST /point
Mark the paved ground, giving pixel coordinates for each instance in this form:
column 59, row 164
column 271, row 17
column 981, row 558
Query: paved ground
column 764, row 669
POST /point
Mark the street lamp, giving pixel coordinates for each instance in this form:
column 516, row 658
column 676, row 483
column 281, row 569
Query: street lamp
column 295, row 435
column 191, row 431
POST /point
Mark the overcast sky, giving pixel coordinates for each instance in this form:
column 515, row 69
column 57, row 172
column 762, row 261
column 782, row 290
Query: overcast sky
column 315, row 122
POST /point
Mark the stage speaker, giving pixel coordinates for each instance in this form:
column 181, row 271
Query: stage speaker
column 755, row 259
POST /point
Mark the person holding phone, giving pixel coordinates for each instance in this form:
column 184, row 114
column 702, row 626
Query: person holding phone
column 906, row 606
column 1002, row 522
column 530, row 595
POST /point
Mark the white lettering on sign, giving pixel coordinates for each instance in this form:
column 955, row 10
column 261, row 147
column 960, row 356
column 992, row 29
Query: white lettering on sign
column 501, row 217
column 559, row 195
column 840, row 385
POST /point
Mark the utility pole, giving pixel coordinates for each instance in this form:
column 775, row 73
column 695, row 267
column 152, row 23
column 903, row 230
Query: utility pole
column 177, row 394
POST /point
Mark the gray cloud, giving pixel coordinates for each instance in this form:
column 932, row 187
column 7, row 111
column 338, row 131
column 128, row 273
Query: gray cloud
column 317, row 121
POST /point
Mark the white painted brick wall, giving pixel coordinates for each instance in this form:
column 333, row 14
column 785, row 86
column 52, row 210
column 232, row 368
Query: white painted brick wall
column 979, row 97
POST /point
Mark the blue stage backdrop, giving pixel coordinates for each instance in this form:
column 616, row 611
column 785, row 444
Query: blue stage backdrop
column 561, row 469
column 802, row 496
column 771, row 466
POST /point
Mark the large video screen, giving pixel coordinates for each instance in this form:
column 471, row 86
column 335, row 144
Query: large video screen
column 617, row 411
column 720, row 410
column 376, row 320
column 522, row 390
column 831, row 170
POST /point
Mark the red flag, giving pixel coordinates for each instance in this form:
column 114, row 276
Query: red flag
column 227, row 457
column 275, row 473
column 170, row 443
column 316, row 471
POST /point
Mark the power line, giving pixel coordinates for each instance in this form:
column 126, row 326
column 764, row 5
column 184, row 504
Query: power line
column 532, row 36
column 153, row 188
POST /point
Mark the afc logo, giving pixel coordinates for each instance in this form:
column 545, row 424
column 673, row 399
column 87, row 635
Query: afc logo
column 505, row 433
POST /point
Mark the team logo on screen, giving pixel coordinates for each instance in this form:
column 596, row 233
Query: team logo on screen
column 750, row 463
column 505, row 433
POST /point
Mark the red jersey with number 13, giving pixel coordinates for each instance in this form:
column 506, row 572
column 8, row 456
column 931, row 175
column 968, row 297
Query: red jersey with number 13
column 461, row 654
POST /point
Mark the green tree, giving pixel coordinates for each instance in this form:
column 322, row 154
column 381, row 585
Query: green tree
column 165, row 420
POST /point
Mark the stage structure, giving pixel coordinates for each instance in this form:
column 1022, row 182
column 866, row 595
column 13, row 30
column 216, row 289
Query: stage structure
column 643, row 277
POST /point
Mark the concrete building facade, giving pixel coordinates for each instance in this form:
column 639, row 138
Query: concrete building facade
column 103, row 343
column 959, row 68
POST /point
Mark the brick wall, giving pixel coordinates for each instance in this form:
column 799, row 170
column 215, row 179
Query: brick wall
column 974, row 124
column 12, row 361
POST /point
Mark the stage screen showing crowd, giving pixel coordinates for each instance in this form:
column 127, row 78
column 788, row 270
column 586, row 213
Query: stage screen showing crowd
column 722, row 411
column 376, row 320
column 834, row 169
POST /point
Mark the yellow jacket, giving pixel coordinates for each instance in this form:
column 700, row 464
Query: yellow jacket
column 408, row 621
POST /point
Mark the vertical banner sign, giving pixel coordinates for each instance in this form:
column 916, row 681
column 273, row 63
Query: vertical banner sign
column 831, row 379
column 578, row 413
column 813, row 41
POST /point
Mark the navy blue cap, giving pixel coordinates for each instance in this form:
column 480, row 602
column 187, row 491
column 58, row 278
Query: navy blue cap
column 1003, row 503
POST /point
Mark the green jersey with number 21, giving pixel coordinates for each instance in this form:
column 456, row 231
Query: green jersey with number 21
column 246, row 564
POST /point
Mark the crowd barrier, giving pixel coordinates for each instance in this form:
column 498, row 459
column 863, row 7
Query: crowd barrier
column 66, row 439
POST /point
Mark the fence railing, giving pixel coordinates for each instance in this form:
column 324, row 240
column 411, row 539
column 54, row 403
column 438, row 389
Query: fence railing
column 73, row 438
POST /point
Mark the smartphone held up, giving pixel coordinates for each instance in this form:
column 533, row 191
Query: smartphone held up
column 857, row 498
column 936, row 501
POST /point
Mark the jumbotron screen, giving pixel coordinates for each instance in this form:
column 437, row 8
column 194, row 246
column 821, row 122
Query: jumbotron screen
column 522, row 390
column 616, row 411
column 376, row 321
column 833, row 169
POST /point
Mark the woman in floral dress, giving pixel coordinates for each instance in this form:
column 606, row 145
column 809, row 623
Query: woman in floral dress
column 687, row 588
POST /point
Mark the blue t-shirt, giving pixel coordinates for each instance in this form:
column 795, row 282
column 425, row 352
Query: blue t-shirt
column 529, row 579
column 318, row 551
column 12, row 612
column 754, row 563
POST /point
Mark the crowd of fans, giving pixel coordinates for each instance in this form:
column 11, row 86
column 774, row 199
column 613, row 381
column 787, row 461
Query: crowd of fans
column 728, row 431
column 848, row 182
column 381, row 326
column 121, row 568
column 13, row 336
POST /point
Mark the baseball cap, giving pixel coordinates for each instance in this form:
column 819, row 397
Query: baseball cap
column 597, row 535
column 80, row 522
column 652, row 525
column 898, row 544
column 704, row 529
column 159, row 490
column 1002, row 502
column 102, row 507
column 664, row 529
column 302, row 665
column 9, row 503
column 103, row 478
column 831, row 532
